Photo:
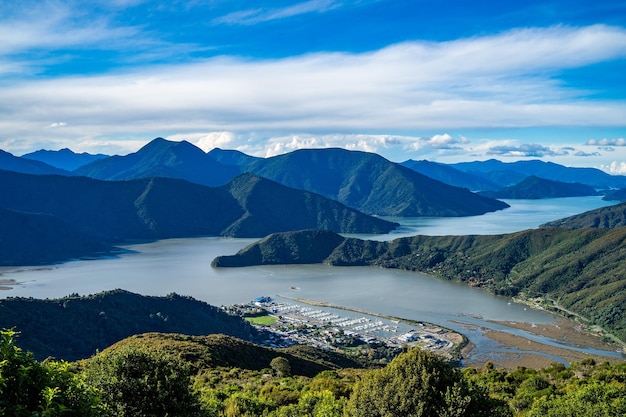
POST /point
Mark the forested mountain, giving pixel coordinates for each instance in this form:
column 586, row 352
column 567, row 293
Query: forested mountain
column 507, row 174
column 232, row 157
column 578, row 270
column 64, row 158
column 157, row 208
column 450, row 175
column 372, row 184
column 604, row 218
column 162, row 158
column 533, row 187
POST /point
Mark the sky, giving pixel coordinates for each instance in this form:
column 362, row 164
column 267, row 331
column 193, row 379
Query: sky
column 445, row 81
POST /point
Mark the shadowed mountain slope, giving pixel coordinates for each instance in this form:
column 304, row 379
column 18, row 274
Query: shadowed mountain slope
column 26, row 237
column 372, row 184
column 159, row 208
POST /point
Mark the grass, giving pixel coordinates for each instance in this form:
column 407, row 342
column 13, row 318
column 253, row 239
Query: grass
column 262, row 320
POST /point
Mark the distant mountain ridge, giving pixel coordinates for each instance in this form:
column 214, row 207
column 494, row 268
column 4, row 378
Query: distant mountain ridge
column 14, row 163
column 64, row 158
column 507, row 174
column 162, row 158
column 533, row 188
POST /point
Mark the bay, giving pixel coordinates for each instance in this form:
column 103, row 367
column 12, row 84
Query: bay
column 183, row 266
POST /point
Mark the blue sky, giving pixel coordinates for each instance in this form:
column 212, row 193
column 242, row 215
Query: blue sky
column 439, row 80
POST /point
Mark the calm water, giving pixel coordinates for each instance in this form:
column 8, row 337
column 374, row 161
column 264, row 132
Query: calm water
column 183, row 266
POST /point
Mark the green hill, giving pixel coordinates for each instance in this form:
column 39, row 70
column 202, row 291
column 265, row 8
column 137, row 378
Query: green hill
column 572, row 271
column 76, row 327
column 219, row 350
column 604, row 218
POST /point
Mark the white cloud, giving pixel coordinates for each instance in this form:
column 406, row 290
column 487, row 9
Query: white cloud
column 504, row 80
column 615, row 168
column 254, row 16
column 607, row 142
column 207, row 141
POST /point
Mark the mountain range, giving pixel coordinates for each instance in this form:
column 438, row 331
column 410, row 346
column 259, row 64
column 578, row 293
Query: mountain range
column 533, row 187
column 97, row 213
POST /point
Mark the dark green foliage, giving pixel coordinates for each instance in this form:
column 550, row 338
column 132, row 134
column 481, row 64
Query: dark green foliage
column 139, row 383
column 419, row 383
column 30, row 388
column 533, row 187
column 75, row 327
column 218, row 350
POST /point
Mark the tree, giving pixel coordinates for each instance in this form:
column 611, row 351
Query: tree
column 140, row 383
column 419, row 384
column 281, row 366
column 50, row 388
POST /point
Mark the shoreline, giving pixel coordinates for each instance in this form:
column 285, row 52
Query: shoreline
column 516, row 350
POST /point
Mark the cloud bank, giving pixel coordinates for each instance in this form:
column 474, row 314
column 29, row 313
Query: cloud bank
column 504, row 80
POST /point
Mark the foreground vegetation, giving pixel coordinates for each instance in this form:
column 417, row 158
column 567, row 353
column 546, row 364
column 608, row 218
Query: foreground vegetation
column 154, row 377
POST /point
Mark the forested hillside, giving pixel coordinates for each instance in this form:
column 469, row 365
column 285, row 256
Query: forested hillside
column 576, row 270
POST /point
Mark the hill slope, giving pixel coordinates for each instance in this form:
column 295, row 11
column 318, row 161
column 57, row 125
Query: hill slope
column 372, row 184
column 89, row 211
column 580, row 270
column 533, row 187
column 604, row 218
column 218, row 350
column 27, row 238
column 75, row 327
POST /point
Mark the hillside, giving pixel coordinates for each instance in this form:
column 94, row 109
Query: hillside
column 76, row 327
column 27, row 238
column 372, row 184
column 222, row 351
column 577, row 270
column 109, row 212
column 604, row 218
column 533, row 188
column 162, row 158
